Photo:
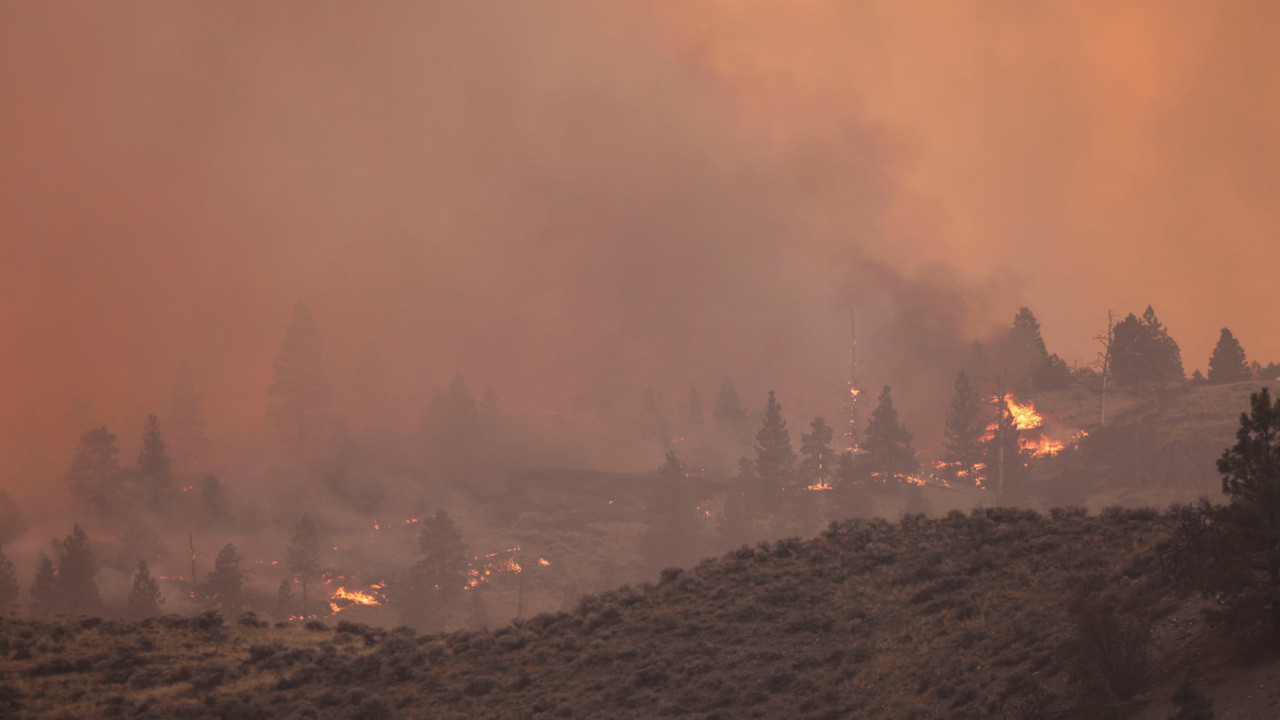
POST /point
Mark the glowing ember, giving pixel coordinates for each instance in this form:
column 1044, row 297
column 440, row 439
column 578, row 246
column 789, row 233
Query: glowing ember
column 1044, row 447
column 1025, row 417
column 820, row 485
column 544, row 562
column 355, row 597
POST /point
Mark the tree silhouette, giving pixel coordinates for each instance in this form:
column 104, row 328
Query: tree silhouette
column 673, row 532
column 155, row 482
column 9, row 590
column 94, row 476
column 965, row 426
column 775, row 460
column 76, row 570
column 299, row 409
column 737, row 522
column 730, row 415
column 887, row 447
column 46, row 599
column 1143, row 353
column 1228, row 364
column 213, row 507
column 817, row 463
column 224, row 585
column 12, row 524
column 691, row 419
column 144, row 599
column 185, row 421
column 434, row 585
column 303, row 554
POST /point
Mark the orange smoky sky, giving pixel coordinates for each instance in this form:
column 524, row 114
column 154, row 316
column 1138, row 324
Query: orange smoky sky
column 571, row 201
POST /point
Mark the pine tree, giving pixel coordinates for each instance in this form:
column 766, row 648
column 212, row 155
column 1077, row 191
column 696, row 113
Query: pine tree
column 224, row 585
column 185, row 420
column 1027, row 352
column 1142, row 353
column 284, row 599
column 154, row 478
column 817, row 458
column 775, row 460
column 214, row 508
column 76, row 571
column 9, row 591
column 730, row 415
column 887, row 444
column 94, row 476
column 673, row 532
column 303, row 555
column 46, row 598
column 737, row 523
column 144, row 599
column 963, row 432
column 454, row 422
column 1228, row 364
column 299, row 410
column 691, row 414
column 12, row 524
column 434, row 585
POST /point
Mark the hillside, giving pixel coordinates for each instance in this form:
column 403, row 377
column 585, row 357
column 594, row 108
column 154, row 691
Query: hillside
column 968, row 616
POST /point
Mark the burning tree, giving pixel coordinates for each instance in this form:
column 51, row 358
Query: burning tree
column 817, row 456
column 887, row 451
column 965, row 427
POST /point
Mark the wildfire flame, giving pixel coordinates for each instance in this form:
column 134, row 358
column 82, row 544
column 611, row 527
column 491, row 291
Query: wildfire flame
column 820, row 485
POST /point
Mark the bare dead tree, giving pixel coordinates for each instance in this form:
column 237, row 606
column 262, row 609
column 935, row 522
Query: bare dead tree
column 1103, row 364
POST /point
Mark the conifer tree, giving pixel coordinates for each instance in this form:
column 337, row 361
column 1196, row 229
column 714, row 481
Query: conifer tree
column 434, row 585
column 1228, row 364
column 224, row 585
column 817, row 457
column 737, row 523
column 1027, row 352
column 303, row 554
column 1143, row 353
column 454, row 421
column 94, row 476
column 144, row 599
column 12, row 524
column 965, row 426
column 887, row 444
column 214, row 508
column 284, row 599
column 185, row 421
column 775, row 459
column 9, row 590
column 691, row 414
column 46, row 599
column 154, row 478
column 730, row 415
column 299, row 393
column 76, row 570
column 673, row 532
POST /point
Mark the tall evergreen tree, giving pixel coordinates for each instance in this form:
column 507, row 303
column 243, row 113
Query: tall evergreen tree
column 454, row 423
column 12, row 524
column 9, row 590
column 818, row 459
column 46, row 598
column 775, row 460
column 213, row 508
column 94, row 476
column 434, row 585
column 185, row 421
column 691, row 414
column 1228, row 364
column 887, row 445
column 299, row 393
column 154, row 478
column 224, row 586
column 737, row 523
column 1245, row 545
column 1027, row 352
column 76, row 571
column 144, row 599
column 730, row 415
column 1142, row 353
column 673, row 534
column 303, row 554
column 965, row 426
